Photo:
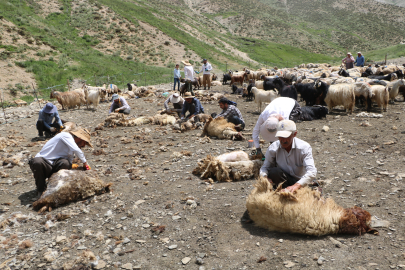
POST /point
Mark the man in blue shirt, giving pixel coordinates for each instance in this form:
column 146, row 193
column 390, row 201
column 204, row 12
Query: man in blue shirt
column 48, row 121
column 191, row 105
column 177, row 77
column 359, row 60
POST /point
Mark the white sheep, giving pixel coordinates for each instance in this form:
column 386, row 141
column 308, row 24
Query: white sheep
column 263, row 96
column 341, row 94
column 92, row 97
column 102, row 90
column 362, row 89
column 380, row 96
column 393, row 88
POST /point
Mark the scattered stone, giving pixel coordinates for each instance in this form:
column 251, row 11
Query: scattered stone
column 185, row 260
column 60, row 239
column 145, row 226
column 320, row 260
column 336, row 242
column 379, row 223
column 200, row 261
column 127, row 266
column 281, row 240
column 140, row 241
column 176, row 217
column 172, row 247
column 99, row 265
column 325, row 129
column 288, row 264
column 126, row 240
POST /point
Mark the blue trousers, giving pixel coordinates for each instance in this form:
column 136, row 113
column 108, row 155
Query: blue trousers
column 236, row 120
column 176, row 80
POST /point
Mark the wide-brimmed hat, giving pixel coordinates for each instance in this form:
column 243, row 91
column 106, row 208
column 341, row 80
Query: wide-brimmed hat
column 268, row 129
column 114, row 97
column 285, row 128
column 186, row 63
column 49, row 108
column 175, row 98
column 83, row 134
column 188, row 95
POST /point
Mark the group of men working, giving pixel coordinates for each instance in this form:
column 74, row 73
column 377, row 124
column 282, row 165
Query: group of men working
column 288, row 160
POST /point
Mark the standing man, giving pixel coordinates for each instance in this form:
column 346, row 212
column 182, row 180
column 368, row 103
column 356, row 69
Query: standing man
column 359, row 60
column 289, row 160
column 48, row 121
column 348, row 60
column 119, row 105
column 206, row 69
column 177, row 77
column 191, row 105
column 177, row 101
column 279, row 109
column 57, row 154
column 231, row 114
column 189, row 76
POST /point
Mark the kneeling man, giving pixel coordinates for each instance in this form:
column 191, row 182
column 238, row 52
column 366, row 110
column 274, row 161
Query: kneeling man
column 289, row 160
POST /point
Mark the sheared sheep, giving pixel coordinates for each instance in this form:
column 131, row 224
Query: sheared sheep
column 164, row 119
column 220, row 128
column 67, row 186
column 213, row 167
column 304, row 212
column 263, row 96
column 118, row 119
column 68, row 99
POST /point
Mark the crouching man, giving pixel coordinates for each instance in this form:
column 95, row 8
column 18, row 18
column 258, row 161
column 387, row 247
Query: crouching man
column 48, row 121
column 57, row 154
column 119, row 105
column 289, row 160
column 231, row 113
column 191, row 105
column 177, row 101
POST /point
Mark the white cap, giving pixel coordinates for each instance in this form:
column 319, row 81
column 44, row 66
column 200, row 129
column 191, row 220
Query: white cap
column 285, row 128
column 358, row 52
column 268, row 129
column 175, row 98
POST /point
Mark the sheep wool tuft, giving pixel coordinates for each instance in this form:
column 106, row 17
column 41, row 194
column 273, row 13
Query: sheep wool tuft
column 305, row 212
column 68, row 186
column 213, row 167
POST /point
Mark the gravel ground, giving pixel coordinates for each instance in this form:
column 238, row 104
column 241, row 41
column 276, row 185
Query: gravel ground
column 361, row 164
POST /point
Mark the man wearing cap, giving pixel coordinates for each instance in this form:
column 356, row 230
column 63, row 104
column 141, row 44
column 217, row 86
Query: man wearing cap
column 57, row 154
column 231, row 113
column 48, row 120
column 348, row 60
column 279, row 109
column 177, row 77
column 119, row 105
column 189, row 76
column 177, row 101
column 191, row 105
column 206, row 70
column 359, row 60
column 289, row 160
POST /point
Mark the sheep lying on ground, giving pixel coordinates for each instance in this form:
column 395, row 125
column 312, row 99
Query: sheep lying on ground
column 220, row 128
column 304, row 212
column 263, row 96
column 68, row 186
column 119, row 119
column 144, row 92
column 313, row 113
column 163, row 119
column 235, row 167
column 68, row 99
column 112, row 89
column 131, row 86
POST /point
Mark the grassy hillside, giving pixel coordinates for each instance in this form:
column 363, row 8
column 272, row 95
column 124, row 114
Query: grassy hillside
column 392, row 52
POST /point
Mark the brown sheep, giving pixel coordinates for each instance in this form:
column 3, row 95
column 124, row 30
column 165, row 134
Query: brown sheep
column 221, row 128
column 68, row 99
column 304, row 212
column 237, row 78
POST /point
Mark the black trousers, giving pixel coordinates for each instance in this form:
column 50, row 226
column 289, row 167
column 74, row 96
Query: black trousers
column 278, row 176
column 126, row 111
column 42, row 170
column 236, row 120
column 41, row 127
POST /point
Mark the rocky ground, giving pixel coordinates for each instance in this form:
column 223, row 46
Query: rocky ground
column 160, row 216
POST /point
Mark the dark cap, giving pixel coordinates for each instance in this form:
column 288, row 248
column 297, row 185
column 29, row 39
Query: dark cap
column 203, row 60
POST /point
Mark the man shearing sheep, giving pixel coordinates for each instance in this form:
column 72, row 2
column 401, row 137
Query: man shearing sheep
column 119, row 105
column 289, row 160
column 49, row 121
column 231, row 113
column 177, row 101
column 279, row 109
column 191, row 105
column 57, row 154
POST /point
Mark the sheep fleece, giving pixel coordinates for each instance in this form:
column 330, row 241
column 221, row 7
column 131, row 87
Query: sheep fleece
column 70, row 185
column 310, row 214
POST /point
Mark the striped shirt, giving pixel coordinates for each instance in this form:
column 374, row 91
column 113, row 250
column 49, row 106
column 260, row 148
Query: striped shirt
column 231, row 111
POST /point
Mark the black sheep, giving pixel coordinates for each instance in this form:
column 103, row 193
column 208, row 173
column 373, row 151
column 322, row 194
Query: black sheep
column 130, row 86
column 385, row 78
column 313, row 113
column 236, row 90
column 309, row 94
column 248, row 93
column 367, row 72
column 343, row 73
column 227, row 77
column 273, row 83
column 289, row 91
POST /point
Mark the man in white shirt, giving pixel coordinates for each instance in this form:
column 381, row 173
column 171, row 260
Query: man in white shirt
column 177, row 102
column 189, row 76
column 57, row 154
column 289, row 160
column 206, row 70
column 279, row 109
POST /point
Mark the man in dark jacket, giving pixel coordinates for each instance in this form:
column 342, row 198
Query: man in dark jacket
column 191, row 105
column 48, row 121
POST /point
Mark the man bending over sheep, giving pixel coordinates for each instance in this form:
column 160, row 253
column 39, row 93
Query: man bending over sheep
column 231, row 113
column 191, row 105
column 177, row 101
column 49, row 121
column 57, row 154
column 289, row 160
column 279, row 109
column 119, row 104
